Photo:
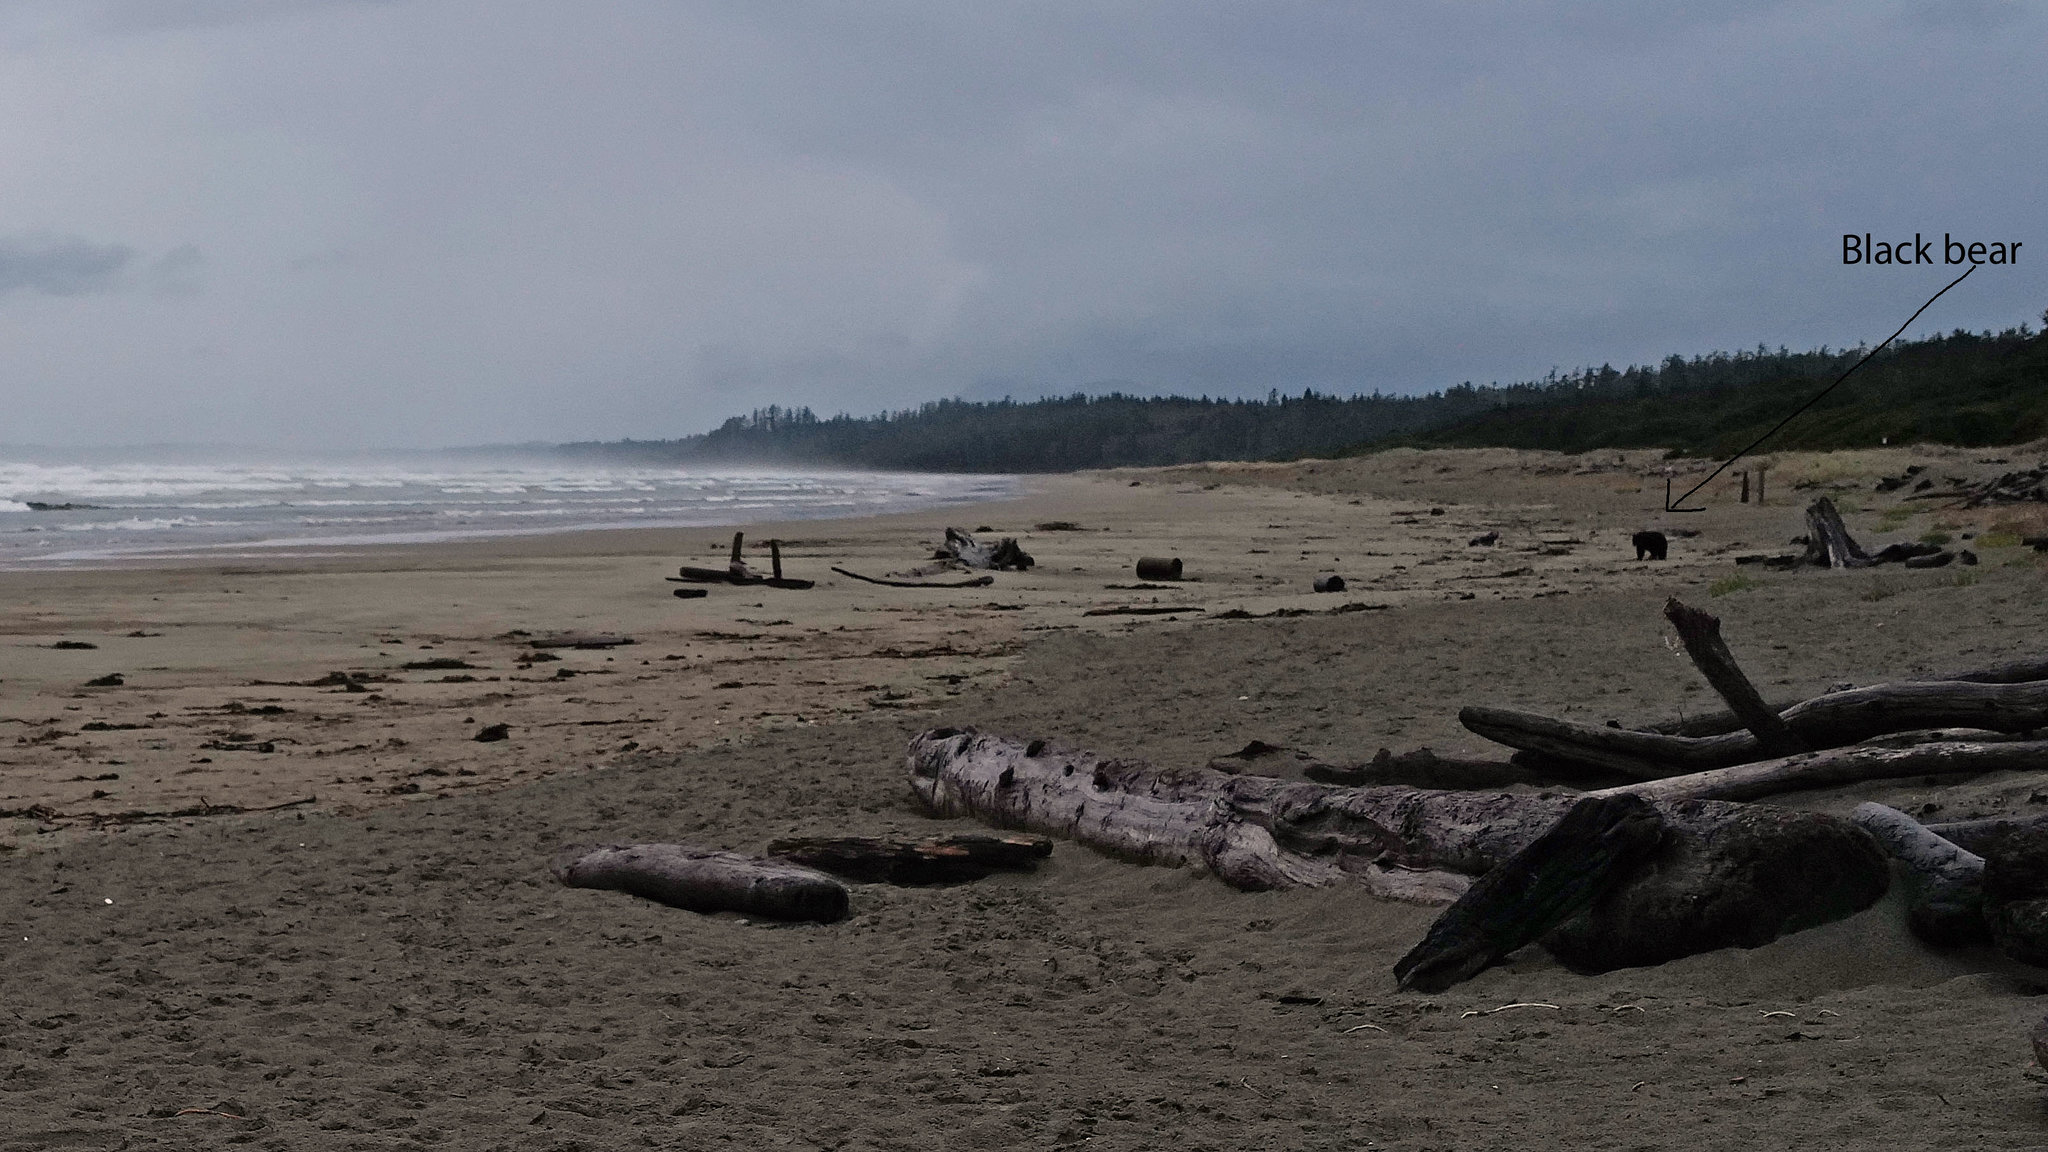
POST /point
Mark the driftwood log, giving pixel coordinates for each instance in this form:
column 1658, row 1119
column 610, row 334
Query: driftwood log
column 938, row 860
column 1828, row 541
column 1831, row 721
column 976, row 554
column 737, row 570
column 1701, row 635
column 1718, row 723
column 1726, row 875
column 702, row 880
column 1835, row 766
column 973, row 582
column 1593, row 847
column 1946, row 904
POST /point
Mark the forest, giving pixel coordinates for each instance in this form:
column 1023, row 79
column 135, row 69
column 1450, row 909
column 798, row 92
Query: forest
column 1964, row 388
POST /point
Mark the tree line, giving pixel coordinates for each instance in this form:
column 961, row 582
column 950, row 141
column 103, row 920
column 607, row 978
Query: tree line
column 1962, row 388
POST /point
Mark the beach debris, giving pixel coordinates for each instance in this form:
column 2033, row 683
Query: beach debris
column 1650, row 545
column 1331, row 583
column 1159, row 568
column 492, row 732
column 437, row 664
column 975, row 582
column 690, row 593
column 705, row 880
column 1488, row 540
column 1592, row 847
column 737, row 570
column 1056, row 526
column 1142, row 610
column 1715, row 880
column 938, row 860
column 110, row 680
column 962, row 547
column 45, row 506
column 72, row 646
column 579, row 640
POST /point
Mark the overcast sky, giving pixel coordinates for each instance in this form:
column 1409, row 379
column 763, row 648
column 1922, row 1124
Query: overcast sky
column 349, row 223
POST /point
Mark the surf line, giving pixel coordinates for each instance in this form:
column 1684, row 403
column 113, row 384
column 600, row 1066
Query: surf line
column 1671, row 505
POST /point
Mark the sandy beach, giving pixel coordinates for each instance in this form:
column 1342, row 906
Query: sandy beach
column 254, row 902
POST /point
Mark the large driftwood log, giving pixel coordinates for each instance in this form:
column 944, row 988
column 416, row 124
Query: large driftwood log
column 1828, row 541
column 1834, row 766
column 1831, row 721
column 703, row 880
column 938, row 860
column 1592, row 848
column 1947, row 900
column 1701, row 635
column 1717, row 723
column 1728, row 874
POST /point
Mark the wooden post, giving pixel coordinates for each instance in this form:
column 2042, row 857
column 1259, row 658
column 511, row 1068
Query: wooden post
column 775, row 556
column 738, row 538
column 1745, row 486
column 1761, row 469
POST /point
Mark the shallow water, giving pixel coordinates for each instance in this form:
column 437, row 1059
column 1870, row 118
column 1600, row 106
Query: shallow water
column 97, row 511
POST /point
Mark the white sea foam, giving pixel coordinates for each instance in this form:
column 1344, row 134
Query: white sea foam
column 124, row 510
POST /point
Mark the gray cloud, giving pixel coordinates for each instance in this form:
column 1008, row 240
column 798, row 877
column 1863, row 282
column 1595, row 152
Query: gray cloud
column 509, row 220
column 60, row 265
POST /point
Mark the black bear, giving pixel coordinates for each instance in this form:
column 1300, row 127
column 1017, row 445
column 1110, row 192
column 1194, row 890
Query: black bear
column 1649, row 545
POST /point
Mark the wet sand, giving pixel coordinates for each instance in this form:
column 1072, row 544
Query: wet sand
column 390, row 965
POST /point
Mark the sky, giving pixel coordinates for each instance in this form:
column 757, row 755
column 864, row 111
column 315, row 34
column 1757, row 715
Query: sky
column 418, row 223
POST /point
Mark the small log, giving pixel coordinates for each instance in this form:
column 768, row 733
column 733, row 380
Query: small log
column 1828, row 541
column 691, row 593
column 1331, row 583
column 940, row 860
column 976, row 582
column 1594, row 846
column 1142, row 610
column 702, row 880
column 1701, row 634
column 1834, row 766
column 579, row 640
column 1947, row 899
column 1159, row 568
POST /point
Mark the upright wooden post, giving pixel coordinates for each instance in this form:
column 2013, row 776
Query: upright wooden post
column 1745, row 487
column 738, row 538
column 775, row 556
column 1761, row 469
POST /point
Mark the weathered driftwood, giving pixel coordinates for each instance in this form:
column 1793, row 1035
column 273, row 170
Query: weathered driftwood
column 1592, row 848
column 1728, row 874
column 1717, row 723
column 1828, row 768
column 976, row 554
column 975, row 582
column 2016, row 897
column 737, row 570
column 1831, row 721
column 1947, row 899
column 1992, row 833
column 702, row 880
column 1423, row 768
column 938, row 860
column 1828, row 541
column 1701, row 635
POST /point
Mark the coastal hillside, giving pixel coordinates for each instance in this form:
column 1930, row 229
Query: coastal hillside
column 1964, row 388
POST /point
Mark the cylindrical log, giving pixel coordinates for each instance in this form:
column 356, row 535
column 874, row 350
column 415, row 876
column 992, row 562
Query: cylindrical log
column 1331, row 583
column 1701, row 634
column 702, row 880
column 1159, row 568
column 1841, row 766
column 1947, row 903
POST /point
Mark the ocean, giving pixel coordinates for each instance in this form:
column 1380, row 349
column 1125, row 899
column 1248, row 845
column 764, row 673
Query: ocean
column 94, row 510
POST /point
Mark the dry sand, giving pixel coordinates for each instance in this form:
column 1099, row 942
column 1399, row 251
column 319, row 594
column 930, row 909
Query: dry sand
column 390, row 966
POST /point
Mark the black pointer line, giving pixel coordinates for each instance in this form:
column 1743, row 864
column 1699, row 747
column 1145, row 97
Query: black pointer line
column 1671, row 505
